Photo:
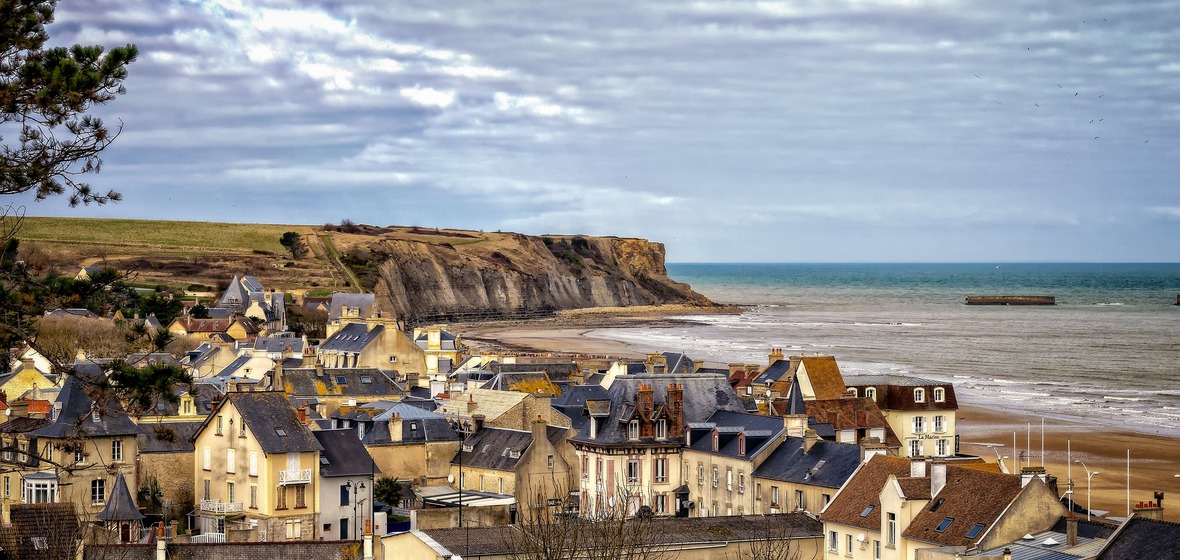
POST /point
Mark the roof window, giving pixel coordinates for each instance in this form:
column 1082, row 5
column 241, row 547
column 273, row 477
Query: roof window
column 281, row 432
column 975, row 529
column 340, row 380
column 868, row 509
column 942, row 527
column 366, row 379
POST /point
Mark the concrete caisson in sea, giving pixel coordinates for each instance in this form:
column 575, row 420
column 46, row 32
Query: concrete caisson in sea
column 1011, row 300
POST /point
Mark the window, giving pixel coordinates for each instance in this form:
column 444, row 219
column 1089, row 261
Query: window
column 208, row 458
column 79, row 457
column 946, row 523
column 757, row 490
column 366, row 379
column 48, row 452
column 891, row 529
column 206, row 489
column 975, row 529
column 716, row 477
column 939, row 394
column 848, row 542
column 254, row 496
column 660, row 470
column 774, row 496
column 343, row 494
column 833, row 540
column 229, row 460
column 662, row 429
column 7, row 488
column 741, row 482
column 549, row 461
column 800, row 504
column 281, row 498
column 7, row 451
column 599, row 471
column 827, row 499
column 919, row 395
column 98, row 491
column 300, row 492
column 940, row 423
column 716, row 440
column 633, row 429
column 916, row 448
column 661, row 503
column 23, row 452
column 729, row 479
column 39, row 492
column 937, row 504
column 871, row 393
column 295, row 529
column 876, row 550
column 632, row 470
column 919, row 424
column 585, row 466
column 218, row 426
column 341, row 380
column 741, row 444
column 867, row 510
column 941, row 447
column 700, row 474
column 229, row 492
column 253, row 463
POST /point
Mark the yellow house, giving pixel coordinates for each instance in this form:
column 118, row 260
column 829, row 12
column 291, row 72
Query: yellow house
column 257, row 471
column 920, row 411
column 238, row 328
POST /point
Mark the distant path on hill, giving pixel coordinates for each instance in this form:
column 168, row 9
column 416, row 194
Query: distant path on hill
column 334, row 257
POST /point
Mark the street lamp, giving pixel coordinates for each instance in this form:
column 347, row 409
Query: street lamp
column 1089, row 475
column 355, row 489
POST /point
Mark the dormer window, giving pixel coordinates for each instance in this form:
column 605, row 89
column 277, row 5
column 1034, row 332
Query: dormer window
column 716, row 440
column 633, row 429
column 593, row 428
column 919, row 395
column 852, row 392
column 662, row 429
column 742, row 444
column 871, row 393
column 939, row 394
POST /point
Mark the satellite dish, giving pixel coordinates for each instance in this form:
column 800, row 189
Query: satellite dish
column 450, row 479
column 860, row 537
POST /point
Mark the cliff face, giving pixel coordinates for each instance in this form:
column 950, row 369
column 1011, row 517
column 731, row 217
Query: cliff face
column 516, row 275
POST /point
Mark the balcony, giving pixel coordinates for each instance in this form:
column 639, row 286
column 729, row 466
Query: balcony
column 297, row 476
column 218, row 506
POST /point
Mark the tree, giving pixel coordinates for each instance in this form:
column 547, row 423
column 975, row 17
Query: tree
column 46, row 93
column 199, row 311
column 388, row 491
column 294, row 243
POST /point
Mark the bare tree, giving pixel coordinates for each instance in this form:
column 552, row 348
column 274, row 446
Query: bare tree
column 621, row 528
column 780, row 540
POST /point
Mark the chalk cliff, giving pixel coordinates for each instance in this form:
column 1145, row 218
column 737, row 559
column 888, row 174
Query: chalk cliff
column 440, row 275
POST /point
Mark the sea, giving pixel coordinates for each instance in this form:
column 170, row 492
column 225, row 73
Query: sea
column 1108, row 351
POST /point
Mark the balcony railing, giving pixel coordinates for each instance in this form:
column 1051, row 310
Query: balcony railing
column 218, row 506
column 297, row 476
column 209, row 538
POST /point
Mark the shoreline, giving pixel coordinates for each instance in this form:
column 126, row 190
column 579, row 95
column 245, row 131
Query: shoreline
column 1155, row 458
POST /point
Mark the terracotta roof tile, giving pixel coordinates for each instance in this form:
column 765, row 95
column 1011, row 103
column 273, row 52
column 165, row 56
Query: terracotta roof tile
column 863, row 490
column 970, row 496
column 825, row 376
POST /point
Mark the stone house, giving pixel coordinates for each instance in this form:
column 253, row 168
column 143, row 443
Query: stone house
column 347, row 477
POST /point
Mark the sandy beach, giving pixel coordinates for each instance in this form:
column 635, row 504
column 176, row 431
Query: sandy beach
column 1154, row 461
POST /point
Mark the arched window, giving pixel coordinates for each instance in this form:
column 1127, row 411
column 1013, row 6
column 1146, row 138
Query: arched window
column 871, row 393
column 939, row 394
column 919, row 395
column 853, row 392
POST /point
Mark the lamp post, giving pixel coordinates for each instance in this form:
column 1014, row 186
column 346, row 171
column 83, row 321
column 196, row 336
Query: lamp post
column 1089, row 475
column 356, row 488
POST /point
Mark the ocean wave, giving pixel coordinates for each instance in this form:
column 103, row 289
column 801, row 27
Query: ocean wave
column 1110, row 303
column 1131, row 399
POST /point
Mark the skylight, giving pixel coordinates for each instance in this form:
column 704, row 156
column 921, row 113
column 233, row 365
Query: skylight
column 975, row 529
column 281, row 432
column 340, row 380
column 937, row 504
column 868, row 509
column 945, row 523
column 366, row 379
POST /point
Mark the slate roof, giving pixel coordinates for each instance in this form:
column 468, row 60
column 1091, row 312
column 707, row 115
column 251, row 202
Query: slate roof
column 828, row 463
column 555, row 370
column 494, row 448
column 534, row 382
column 276, row 344
column 180, row 441
column 795, row 404
column 488, row 541
column 356, row 382
column 120, row 506
column 571, row 402
column 760, row 432
column 22, row 424
column 704, row 395
column 1140, row 537
column 446, row 340
column 272, row 421
column 353, row 337
column 418, row 424
column 340, row 300
column 774, row 372
column 896, row 392
column 76, row 410
column 344, row 454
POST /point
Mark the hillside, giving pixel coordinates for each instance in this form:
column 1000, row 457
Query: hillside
column 419, row 273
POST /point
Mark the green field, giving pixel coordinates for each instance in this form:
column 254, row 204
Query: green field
column 169, row 236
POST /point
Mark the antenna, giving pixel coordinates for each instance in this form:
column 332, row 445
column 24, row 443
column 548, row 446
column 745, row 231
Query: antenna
column 1042, row 441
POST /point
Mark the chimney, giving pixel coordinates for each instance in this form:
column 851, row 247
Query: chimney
column 26, row 363
column 411, row 381
column 319, row 368
column 674, row 401
column 735, row 369
column 301, row 412
column 1007, row 554
column 870, row 447
column 471, row 404
column 697, row 365
column 1149, row 510
column 776, row 354
column 395, row 428
column 937, row 476
column 646, row 407
column 917, row 467
column 809, row 439
column 232, row 385
column 477, row 423
column 540, row 430
column 1027, row 474
column 1071, row 530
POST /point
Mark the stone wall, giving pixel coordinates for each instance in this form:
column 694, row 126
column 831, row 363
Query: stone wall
column 319, row 550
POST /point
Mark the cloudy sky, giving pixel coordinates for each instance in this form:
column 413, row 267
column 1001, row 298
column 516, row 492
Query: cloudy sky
column 817, row 130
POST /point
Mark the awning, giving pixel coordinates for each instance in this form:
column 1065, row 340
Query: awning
column 445, row 496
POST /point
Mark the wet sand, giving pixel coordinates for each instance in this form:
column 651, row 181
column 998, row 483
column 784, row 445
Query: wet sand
column 1155, row 459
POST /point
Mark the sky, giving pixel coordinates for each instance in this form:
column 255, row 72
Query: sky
column 730, row 131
